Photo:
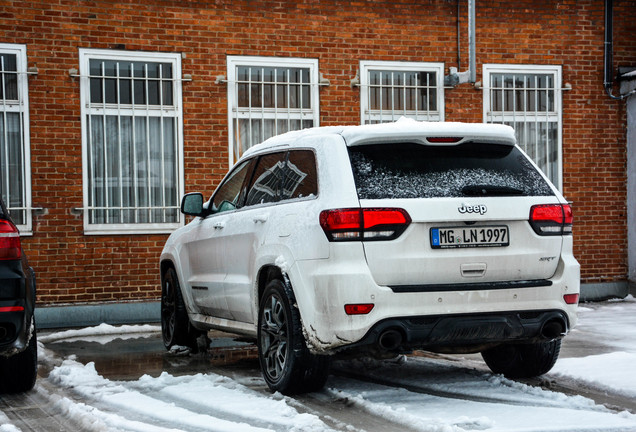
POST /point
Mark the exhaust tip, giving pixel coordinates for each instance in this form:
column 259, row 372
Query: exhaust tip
column 390, row 339
column 553, row 329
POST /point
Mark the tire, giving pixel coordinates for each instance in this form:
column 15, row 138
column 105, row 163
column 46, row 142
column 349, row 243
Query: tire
column 19, row 372
column 175, row 324
column 287, row 365
column 523, row 360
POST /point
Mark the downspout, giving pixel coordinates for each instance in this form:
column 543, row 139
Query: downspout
column 454, row 77
column 608, row 79
column 472, row 68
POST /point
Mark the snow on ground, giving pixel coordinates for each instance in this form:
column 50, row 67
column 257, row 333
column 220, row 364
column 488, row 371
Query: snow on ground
column 202, row 402
column 422, row 393
column 614, row 326
column 102, row 333
column 5, row 425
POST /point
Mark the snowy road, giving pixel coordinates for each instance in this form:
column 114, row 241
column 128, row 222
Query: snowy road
column 112, row 379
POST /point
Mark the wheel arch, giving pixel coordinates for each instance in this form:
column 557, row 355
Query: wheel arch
column 164, row 265
column 266, row 274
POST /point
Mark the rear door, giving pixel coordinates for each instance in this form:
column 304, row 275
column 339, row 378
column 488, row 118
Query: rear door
column 470, row 207
column 244, row 234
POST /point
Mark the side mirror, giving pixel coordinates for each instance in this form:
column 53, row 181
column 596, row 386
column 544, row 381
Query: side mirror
column 192, row 204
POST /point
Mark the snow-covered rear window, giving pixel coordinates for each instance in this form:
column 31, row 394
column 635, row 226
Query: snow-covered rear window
column 408, row 170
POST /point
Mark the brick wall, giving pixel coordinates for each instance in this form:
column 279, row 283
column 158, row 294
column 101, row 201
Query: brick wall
column 73, row 267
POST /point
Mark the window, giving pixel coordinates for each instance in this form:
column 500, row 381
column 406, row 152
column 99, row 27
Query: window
column 390, row 90
column 15, row 165
column 229, row 194
column 283, row 176
column 266, row 181
column 132, row 141
column 300, row 179
column 269, row 96
column 528, row 98
column 420, row 171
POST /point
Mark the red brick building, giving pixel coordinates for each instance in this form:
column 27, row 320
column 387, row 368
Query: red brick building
column 111, row 110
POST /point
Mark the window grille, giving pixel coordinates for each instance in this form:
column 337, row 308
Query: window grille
column 269, row 96
column 132, row 133
column 390, row 90
column 528, row 98
column 15, row 166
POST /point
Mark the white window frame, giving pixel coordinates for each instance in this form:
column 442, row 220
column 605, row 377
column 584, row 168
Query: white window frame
column 22, row 108
column 367, row 66
column 553, row 116
column 175, row 110
column 235, row 113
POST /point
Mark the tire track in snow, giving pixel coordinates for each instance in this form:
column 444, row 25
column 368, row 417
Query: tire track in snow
column 441, row 377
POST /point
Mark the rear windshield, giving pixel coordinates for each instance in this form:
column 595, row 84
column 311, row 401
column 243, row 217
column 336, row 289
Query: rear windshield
column 407, row 170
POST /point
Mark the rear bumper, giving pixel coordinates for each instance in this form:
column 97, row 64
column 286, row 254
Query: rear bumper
column 14, row 331
column 443, row 318
column 17, row 300
column 462, row 333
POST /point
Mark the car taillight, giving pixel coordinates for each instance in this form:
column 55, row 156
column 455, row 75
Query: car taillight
column 551, row 219
column 10, row 247
column 12, row 309
column 353, row 224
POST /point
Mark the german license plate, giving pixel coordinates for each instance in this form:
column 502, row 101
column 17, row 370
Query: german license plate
column 463, row 237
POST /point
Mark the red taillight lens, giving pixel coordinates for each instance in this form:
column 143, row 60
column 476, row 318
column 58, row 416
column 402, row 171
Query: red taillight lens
column 571, row 298
column 358, row 309
column 445, row 140
column 551, row 219
column 11, row 309
column 10, row 247
column 364, row 224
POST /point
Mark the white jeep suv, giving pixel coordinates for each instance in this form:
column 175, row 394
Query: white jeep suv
column 377, row 239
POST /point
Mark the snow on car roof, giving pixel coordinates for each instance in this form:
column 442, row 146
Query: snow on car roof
column 400, row 130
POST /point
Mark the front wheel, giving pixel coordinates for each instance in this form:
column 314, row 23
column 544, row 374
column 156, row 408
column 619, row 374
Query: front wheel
column 175, row 324
column 523, row 360
column 286, row 363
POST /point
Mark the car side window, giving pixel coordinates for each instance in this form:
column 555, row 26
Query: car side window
column 300, row 179
column 227, row 196
column 267, row 178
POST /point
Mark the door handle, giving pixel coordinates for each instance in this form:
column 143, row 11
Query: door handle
column 262, row 218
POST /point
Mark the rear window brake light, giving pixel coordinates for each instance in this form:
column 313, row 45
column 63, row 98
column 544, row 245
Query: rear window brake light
column 551, row 219
column 368, row 224
column 444, row 139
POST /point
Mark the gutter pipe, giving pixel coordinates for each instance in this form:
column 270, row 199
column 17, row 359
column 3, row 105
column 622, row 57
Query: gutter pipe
column 454, row 78
column 608, row 79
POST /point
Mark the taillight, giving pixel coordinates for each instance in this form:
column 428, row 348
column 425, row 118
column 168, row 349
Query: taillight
column 551, row 219
column 10, row 248
column 364, row 223
column 12, row 309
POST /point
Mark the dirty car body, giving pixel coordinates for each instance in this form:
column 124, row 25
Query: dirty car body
column 381, row 239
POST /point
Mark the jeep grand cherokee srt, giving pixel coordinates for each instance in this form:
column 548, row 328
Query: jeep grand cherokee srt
column 377, row 239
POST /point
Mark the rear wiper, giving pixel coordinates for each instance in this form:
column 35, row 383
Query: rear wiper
column 490, row 190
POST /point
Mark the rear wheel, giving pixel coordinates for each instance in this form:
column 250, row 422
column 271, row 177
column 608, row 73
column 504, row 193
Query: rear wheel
column 286, row 363
column 523, row 360
column 175, row 324
column 19, row 372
